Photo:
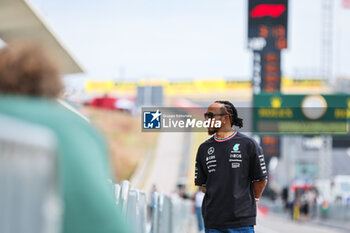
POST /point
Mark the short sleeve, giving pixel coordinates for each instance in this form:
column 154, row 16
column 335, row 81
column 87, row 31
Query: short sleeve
column 200, row 177
column 258, row 170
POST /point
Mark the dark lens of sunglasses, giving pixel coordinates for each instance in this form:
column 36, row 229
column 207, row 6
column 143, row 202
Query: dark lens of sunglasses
column 208, row 115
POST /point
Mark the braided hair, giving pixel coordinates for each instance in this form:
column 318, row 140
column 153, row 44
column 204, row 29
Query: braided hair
column 230, row 109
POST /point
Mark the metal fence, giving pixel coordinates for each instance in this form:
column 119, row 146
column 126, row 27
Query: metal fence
column 29, row 195
column 340, row 212
column 333, row 211
column 167, row 214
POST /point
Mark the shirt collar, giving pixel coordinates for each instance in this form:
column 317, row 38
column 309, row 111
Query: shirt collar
column 225, row 139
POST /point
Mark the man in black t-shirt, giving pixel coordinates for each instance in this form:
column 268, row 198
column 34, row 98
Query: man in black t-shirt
column 231, row 170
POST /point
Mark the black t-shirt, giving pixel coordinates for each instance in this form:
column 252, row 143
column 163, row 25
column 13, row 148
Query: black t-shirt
column 228, row 167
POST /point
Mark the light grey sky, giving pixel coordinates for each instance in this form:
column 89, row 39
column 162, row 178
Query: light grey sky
column 185, row 38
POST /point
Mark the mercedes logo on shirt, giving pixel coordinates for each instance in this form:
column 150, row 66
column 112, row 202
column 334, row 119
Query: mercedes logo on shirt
column 211, row 150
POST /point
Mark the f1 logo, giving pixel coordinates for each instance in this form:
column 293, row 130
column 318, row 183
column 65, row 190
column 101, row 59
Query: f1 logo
column 272, row 10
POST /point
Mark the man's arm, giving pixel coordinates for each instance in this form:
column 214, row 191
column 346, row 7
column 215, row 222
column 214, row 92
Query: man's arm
column 200, row 177
column 259, row 187
column 258, row 170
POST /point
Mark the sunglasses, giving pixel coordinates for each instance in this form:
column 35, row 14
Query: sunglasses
column 211, row 115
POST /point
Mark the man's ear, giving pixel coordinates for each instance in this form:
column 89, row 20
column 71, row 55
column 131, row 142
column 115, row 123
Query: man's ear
column 227, row 118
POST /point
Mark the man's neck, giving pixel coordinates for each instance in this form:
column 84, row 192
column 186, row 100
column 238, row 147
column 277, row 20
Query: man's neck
column 224, row 133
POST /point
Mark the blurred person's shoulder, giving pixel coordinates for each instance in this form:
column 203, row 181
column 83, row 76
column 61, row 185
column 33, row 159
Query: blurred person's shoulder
column 44, row 112
column 76, row 138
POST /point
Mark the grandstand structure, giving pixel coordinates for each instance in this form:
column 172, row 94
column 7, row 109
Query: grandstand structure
column 20, row 21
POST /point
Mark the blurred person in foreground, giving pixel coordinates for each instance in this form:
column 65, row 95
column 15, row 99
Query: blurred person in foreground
column 153, row 200
column 197, row 198
column 29, row 84
column 231, row 171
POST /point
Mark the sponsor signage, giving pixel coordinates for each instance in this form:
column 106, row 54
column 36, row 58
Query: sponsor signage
column 301, row 114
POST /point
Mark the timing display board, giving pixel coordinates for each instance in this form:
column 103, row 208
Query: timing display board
column 267, row 24
column 266, row 71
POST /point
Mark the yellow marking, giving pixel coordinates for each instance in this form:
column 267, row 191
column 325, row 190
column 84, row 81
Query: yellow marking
column 276, row 102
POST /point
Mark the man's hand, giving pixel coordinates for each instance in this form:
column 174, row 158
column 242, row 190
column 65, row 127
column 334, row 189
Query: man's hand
column 203, row 188
column 259, row 187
